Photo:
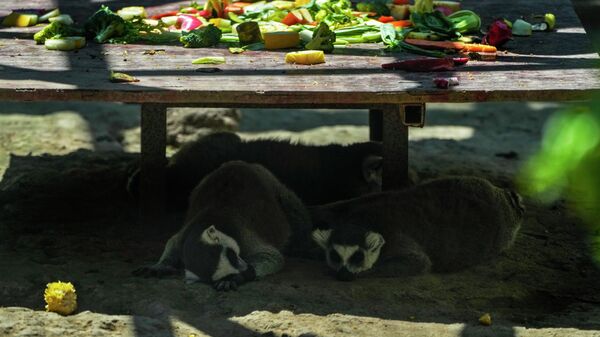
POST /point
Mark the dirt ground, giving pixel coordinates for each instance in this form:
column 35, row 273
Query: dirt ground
column 66, row 216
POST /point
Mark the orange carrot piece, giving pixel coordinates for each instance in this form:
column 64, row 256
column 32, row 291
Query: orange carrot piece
column 483, row 48
column 401, row 23
column 428, row 44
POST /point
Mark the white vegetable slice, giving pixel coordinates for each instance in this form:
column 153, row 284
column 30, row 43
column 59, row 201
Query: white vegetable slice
column 63, row 18
column 50, row 14
column 65, row 44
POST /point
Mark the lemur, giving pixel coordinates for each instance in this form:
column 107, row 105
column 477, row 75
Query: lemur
column 239, row 223
column 443, row 225
column 317, row 174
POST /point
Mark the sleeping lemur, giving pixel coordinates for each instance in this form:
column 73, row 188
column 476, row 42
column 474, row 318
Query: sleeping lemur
column 444, row 225
column 239, row 222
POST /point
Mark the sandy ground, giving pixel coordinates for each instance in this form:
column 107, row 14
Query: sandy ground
column 65, row 216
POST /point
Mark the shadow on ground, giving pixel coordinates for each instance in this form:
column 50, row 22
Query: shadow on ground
column 68, row 217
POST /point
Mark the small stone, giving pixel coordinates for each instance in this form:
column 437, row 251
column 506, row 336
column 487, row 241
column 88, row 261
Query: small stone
column 485, row 319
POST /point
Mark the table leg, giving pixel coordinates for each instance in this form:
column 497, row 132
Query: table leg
column 375, row 124
column 395, row 148
column 152, row 165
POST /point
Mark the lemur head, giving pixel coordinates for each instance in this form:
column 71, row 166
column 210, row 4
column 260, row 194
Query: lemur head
column 213, row 256
column 349, row 250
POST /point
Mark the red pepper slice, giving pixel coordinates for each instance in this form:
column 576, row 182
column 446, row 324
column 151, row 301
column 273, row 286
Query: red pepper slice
column 290, row 19
column 205, row 14
column 459, row 61
column 188, row 22
column 422, row 64
column 162, row 15
column 401, row 2
column 386, row 19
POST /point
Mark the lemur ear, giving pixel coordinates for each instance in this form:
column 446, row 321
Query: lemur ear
column 321, row 237
column 372, row 168
column 374, row 241
column 210, row 236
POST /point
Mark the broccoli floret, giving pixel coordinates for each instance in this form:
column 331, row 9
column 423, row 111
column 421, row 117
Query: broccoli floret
column 105, row 24
column 322, row 39
column 202, row 37
column 56, row 29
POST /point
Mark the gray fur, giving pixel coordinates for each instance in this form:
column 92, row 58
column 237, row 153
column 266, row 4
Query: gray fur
column 248, row 204
column 444, row 225
column 317, row 174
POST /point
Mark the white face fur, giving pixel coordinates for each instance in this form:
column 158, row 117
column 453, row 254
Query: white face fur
column 229, row 261
column 355, row 258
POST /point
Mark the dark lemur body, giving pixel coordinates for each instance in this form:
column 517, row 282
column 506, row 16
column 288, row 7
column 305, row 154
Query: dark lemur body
column 317, row 174
column 445, row 225
column 239, row 223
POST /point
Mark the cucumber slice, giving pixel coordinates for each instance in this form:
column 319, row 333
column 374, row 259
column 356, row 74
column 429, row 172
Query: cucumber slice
column 65, row 44
column 63, row 18
column 48, row 15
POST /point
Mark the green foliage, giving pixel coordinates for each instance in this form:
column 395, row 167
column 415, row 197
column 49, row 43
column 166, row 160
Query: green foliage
column 202, row 37
column 56, row 29
column 137, row 31
column 323, row 39
column 568, row 163
column 374, row 6
column 105, row 24
column 335, row 13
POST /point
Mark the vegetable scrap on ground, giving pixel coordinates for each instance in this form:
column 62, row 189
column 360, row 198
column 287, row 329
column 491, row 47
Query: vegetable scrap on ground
column 437, row 29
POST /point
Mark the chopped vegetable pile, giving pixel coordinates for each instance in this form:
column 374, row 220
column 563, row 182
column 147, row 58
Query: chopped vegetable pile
column 432, row 28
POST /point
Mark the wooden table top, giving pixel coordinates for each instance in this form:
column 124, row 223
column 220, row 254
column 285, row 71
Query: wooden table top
column 558, row 65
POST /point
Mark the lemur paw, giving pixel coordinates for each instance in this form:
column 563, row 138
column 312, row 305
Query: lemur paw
column 231, row 282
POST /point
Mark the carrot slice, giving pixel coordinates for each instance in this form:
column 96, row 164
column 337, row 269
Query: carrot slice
column 428, row 44
column 480, row 48
column 401, row 23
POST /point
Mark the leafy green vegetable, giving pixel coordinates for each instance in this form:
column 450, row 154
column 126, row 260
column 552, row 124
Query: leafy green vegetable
column 378, row 7
column 248, row 32
column 335, row 13
column 229, row 38
column 138, row 31
column 394, row 40
column 203, row 37
column 423, row 6
column 54, row 30
column 465, row 21
column 322, row 39
column 209, row 60
column 105, row 24
column 435, row 22
column 388, row 36
column 356, row 30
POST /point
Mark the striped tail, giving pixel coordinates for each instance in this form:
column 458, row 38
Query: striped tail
column 516, row 201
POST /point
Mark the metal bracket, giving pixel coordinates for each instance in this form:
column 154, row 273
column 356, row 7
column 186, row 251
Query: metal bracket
column 413, row 114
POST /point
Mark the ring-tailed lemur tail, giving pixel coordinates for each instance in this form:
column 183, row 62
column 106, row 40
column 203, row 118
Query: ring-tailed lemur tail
column 444, row 225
